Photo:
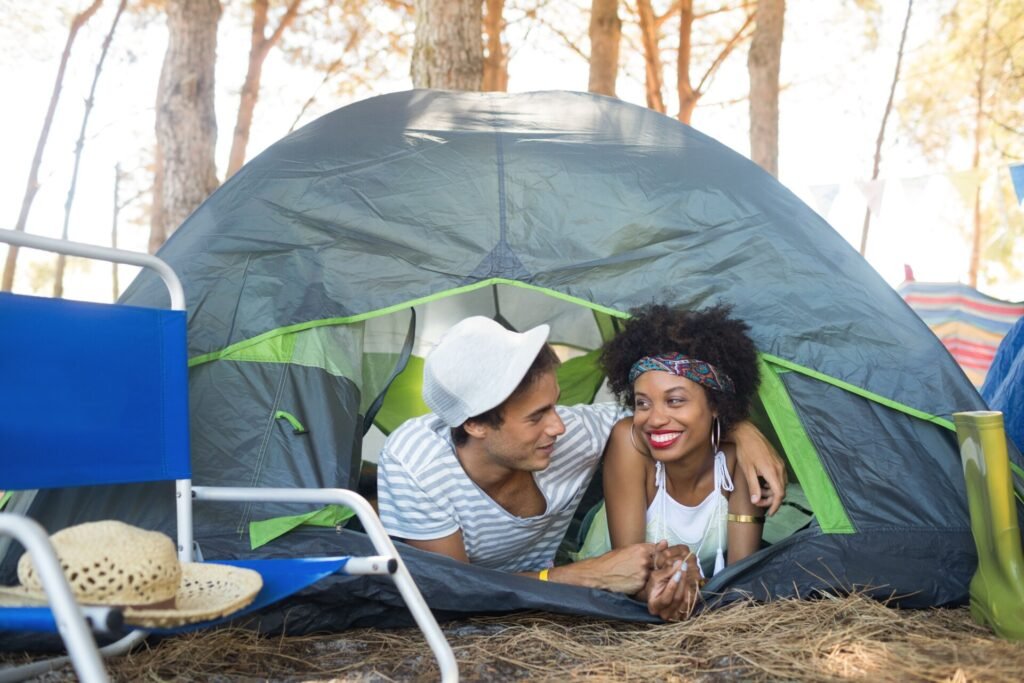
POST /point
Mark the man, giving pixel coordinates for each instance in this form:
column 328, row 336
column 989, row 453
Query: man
column 494, row 474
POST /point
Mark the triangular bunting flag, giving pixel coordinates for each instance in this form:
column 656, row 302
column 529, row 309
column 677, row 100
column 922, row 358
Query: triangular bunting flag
column 913, row 188
column 872, row 191
column 1017, row 176
column 824, row 196
column 966, row 183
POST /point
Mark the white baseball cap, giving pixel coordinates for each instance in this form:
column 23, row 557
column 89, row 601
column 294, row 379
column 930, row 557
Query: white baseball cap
column 476, row 366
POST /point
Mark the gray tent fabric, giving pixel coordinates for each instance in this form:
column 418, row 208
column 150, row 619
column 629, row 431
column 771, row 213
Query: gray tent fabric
column 414, row 199
column 406, row 195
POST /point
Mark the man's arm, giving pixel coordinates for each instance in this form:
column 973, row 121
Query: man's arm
column 452, row 545
column 756, row 458
column 624, row 570
column 408, row 512
column 665, row 577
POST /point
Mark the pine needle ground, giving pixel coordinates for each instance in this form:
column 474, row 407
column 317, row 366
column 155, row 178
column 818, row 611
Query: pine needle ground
column 851, row 638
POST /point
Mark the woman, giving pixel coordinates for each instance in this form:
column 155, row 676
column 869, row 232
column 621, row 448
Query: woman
column 689, row 377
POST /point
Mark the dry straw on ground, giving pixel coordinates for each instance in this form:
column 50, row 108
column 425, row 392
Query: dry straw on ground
column 851, row 638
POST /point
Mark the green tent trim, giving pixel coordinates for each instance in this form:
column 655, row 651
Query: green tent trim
column 802, row 454
column 297, row 426
column 234, row 351
column 404, row 398
column 863, row 393
column 264, row 531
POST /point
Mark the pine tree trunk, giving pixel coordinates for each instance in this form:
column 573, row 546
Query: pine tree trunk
column 688, row 95
column 33, row 175
column 259, row 47
column 495, row 78
column 652, row 59
column 186, row 124
column 763, row 64
column 605, row 36
column 448, row 51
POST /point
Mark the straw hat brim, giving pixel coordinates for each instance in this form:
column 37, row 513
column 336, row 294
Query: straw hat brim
column 207, row 591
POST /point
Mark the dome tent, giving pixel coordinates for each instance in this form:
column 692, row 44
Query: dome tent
column 301, row 273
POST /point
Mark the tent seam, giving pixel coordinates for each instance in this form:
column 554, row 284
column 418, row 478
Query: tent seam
column 238, row 301
column 500, row 161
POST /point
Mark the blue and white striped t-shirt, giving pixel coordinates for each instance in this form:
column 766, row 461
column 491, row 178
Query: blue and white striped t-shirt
column 424, row 493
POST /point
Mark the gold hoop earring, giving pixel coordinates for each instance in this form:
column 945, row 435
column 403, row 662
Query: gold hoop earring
column 632, row 440
column 716, row 434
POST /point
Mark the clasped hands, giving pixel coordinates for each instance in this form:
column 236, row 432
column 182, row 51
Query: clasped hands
column 673, row 583
column 666, row 577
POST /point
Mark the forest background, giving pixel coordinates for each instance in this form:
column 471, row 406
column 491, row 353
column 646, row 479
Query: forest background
column 897, row 121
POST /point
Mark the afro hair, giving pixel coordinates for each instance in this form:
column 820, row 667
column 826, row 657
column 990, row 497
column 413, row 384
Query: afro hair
column 710, row 335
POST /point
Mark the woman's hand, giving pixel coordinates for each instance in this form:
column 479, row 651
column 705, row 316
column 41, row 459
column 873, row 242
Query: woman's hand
column 673, row 587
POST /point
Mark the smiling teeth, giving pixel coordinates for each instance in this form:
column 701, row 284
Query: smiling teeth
column 664, row 438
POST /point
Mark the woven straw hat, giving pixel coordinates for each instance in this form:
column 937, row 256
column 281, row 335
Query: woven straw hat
column 114, row 564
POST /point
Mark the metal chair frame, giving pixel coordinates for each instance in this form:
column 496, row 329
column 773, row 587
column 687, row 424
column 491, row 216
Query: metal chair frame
column 69, row 617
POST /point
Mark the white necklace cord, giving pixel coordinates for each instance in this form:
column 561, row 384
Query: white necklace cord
column 723, row 482
column 662, row 488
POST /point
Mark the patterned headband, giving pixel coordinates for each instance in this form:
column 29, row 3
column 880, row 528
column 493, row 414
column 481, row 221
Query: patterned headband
column 692, row 369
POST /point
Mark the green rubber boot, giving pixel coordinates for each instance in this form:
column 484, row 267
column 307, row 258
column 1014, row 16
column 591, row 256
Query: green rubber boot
column 997, row 588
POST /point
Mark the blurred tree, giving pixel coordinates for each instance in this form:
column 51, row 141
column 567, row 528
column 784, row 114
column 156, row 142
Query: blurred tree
column 115, row 283
column 77, row 22
column 131, row 209
column 722, row 47
column 354, row 45
column 763, row 62
column 649, row 35
column 723, row 28
column 495, row 76
column 605, row 36
column 877, row 167
column 58, row 281
column 545, row 25
column 260, row 46
column 186, row 123
column 448, row 53
column 967, row 84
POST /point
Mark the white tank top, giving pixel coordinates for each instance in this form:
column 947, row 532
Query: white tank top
column 702, row 527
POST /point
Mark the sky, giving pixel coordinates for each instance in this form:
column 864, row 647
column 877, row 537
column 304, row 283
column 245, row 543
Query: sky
column 831, row 107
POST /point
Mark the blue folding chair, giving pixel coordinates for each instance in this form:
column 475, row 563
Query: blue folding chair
column 98, row 394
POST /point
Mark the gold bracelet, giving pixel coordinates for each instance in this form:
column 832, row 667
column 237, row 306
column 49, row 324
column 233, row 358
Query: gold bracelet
column 746, row 519
column 543, row 576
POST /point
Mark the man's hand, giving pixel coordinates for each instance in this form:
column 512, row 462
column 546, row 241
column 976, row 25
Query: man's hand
column 673, row 588
column 623, row 570
column 756, row 458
